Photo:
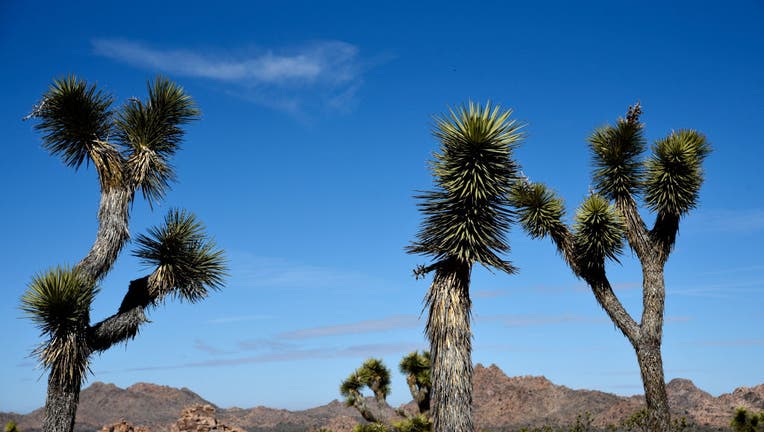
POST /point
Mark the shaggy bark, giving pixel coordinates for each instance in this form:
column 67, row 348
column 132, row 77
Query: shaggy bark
column 113, row 233
column 421, row 395
column 448, row 328
column 124, row 324
column 60, row 405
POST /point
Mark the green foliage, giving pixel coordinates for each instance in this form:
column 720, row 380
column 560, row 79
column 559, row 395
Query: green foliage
column 466, row 216
column 598, row 232
column 58, row 302
column 73, row 116
column 351, row 388
column 638, row 422
column 11, row 426
column 151, row 133
column 187, row 262
column 539, row 209
column 675, row 173
column 418, row 366
column 418, row 423
column 743, row 421
column 372, row 374
column 616, row 157
column 371, row 427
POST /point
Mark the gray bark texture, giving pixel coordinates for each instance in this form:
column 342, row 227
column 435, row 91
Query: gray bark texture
column 60, row 406
column 421, row 395
column 448, row 328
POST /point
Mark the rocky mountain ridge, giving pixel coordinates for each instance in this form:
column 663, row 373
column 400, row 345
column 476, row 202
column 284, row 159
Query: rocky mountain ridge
column 500, row 401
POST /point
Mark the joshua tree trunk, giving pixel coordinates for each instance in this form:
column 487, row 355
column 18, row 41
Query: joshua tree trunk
column 60, row 406
column 421, row 395
column 649, row 346
column 448, row 328
column 651, row 368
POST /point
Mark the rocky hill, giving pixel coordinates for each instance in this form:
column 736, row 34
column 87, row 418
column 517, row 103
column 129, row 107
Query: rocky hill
column 501, row 403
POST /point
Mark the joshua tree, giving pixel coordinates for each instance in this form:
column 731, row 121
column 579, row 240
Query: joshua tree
column 130, row 149
column 466, row 218
column 416, row 367
column 743, row 421
column 668, row 182
column 374, row 375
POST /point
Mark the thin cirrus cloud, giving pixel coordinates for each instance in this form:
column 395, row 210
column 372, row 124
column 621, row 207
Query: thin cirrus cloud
column 322, row 72
column 393, row 322
column 296, row 354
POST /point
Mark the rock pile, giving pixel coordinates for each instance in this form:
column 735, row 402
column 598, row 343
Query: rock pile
column 201, row 418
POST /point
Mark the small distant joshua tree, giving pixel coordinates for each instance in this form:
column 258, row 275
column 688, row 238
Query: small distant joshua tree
column 374, row 375
column 668, row 182
column 467, row 216
column 130, row 148
column 416, row 367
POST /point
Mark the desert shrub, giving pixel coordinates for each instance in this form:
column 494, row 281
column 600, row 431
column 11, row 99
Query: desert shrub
column 743, row 421
column 11, row 426
column 371, row 427
column 418, row 423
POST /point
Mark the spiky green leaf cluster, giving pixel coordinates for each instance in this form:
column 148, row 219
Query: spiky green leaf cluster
column 73, row 117
column 674, row 172
column 418, row 423
column 467, row 215
column 539, row 210
column 376, row 376
column 187, row 262
column 417, row 365
column 58, row 302
column 617, row 150
column 351, row 388
column 598, row 232
column 151, row 131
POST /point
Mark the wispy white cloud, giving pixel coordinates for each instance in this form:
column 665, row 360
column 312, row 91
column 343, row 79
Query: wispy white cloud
column 368, row 326
column 257, row 271
column 536, row 320
column 324, row 72
column 729, row 342
column 734, row 221
column 209, row 349
column 296, row 354
column 237, row 319
column 488, row 293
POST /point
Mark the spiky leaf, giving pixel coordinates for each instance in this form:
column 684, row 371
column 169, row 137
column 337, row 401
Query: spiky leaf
column 616, row 154
column 538, row 209
column 152, row 133
column 675, row 173
column 598, row 232
column 58, row 302
column 73, row 116
column 187, row 262
column 418, row 366
column 351, row 388
column 467, row 215
column 376, row 376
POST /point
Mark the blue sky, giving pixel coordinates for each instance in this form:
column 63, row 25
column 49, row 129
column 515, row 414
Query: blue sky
column 315, row 134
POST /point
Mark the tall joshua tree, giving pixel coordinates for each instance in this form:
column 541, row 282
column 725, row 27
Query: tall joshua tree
column 416, row 367
column 372, row 374
column 130, row 149
column 668, row 183
column 466, row 217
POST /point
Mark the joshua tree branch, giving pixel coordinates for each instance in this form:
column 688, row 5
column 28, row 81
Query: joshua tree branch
column 636, row 230
column 113, row 214
column 598, row 282
column 124, row 324
column 664, row 233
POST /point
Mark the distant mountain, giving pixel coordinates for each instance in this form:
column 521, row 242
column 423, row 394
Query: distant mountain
column 501, row 403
